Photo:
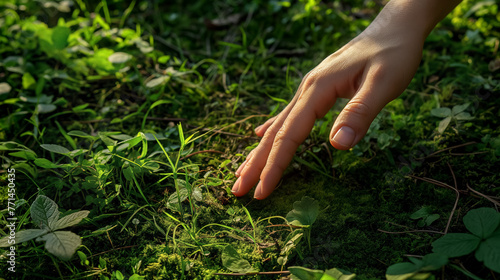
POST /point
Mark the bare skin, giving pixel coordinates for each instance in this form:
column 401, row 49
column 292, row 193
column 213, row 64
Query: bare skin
column 371, row 70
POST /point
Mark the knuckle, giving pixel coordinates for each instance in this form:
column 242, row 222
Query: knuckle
column 280, row 137
column 249, row 165
column 271, row 120
column 379, row 72
column 250, row 155
column 311, row 78
column 279, row 166
column 358, row 108
column 253, row 164
column 269, row 134
column 283, row 138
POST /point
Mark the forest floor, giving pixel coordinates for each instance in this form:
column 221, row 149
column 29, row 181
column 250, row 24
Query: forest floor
column 140, row 112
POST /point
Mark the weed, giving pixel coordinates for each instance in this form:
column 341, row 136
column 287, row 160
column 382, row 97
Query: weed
column 484, row 223
column 45, row 214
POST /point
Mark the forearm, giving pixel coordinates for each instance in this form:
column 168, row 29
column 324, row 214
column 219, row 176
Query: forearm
column 410, row 17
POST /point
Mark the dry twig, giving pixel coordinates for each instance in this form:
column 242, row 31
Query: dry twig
column 490, row 198
column 449, row 148
column 456, row 200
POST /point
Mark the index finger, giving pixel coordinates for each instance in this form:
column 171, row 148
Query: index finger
column 292, row 133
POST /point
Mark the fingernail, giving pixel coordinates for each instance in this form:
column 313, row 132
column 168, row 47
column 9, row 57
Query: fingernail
column 258, row 128
column 344, row 136
column 258, row 191
column 236, row 186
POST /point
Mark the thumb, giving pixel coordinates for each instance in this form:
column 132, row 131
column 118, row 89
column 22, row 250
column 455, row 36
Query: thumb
column 355, row 119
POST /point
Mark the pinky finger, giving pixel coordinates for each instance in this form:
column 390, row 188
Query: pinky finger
column 242, row 166
column 260, row 130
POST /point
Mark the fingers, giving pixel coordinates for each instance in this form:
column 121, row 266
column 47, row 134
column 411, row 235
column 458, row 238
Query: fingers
column 260, row 130
column 313, row 103
column 242, row 166
column 292, row 133
column 355, row 119
column 250, row 170
column 282, row 135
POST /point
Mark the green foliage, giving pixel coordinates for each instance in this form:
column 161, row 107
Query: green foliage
column 302, row 273
column 416, row 269
column 90, row 94
column 425, row 216
column 304, row 214
column 233, row 261
column 456, row 114
column 45, row 214
column 484, row 224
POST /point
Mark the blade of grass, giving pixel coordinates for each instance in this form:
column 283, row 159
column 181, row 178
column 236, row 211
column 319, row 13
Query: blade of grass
column 140, row 190
column 132, row 216
column 157, row 103
column 106, row 11
column 66, row 136
column 227, row 227
column 127, row 13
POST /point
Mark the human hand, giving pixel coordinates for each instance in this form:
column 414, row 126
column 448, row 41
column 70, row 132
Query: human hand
column 371, row 70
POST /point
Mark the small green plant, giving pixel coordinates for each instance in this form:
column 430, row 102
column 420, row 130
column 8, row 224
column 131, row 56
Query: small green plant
column 457, row 113
column 234, row 262
column 304, row 214
column 302, row 273
column 417, row 269
column 484, row 224
column 44, row 213
column 291, row 243
column 425, row 216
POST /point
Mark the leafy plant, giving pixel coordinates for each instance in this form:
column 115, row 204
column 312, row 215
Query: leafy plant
column 44, row 213
column 234, row 262
column 425, row 216
column 457, row 114
column 417, row 269
column 484, row 224
column 291, row 243
column 302, row 273
column 304, row 214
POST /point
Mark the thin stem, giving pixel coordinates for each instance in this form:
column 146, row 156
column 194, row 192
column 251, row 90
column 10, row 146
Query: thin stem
column 309, row 238
column 456, row 200
column 410, row 231
column 57, row 267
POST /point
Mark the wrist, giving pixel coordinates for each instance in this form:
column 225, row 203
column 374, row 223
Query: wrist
column 409, row 18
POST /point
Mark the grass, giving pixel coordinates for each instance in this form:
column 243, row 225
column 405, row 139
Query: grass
column 141, row 111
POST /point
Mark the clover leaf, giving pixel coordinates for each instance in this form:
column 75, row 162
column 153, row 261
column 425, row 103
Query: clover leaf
column 416, row 269
column 484, row 224
column 304, row 212
column 456, row 244
column 489, row 252
column 456, row 113
column 424, row 216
